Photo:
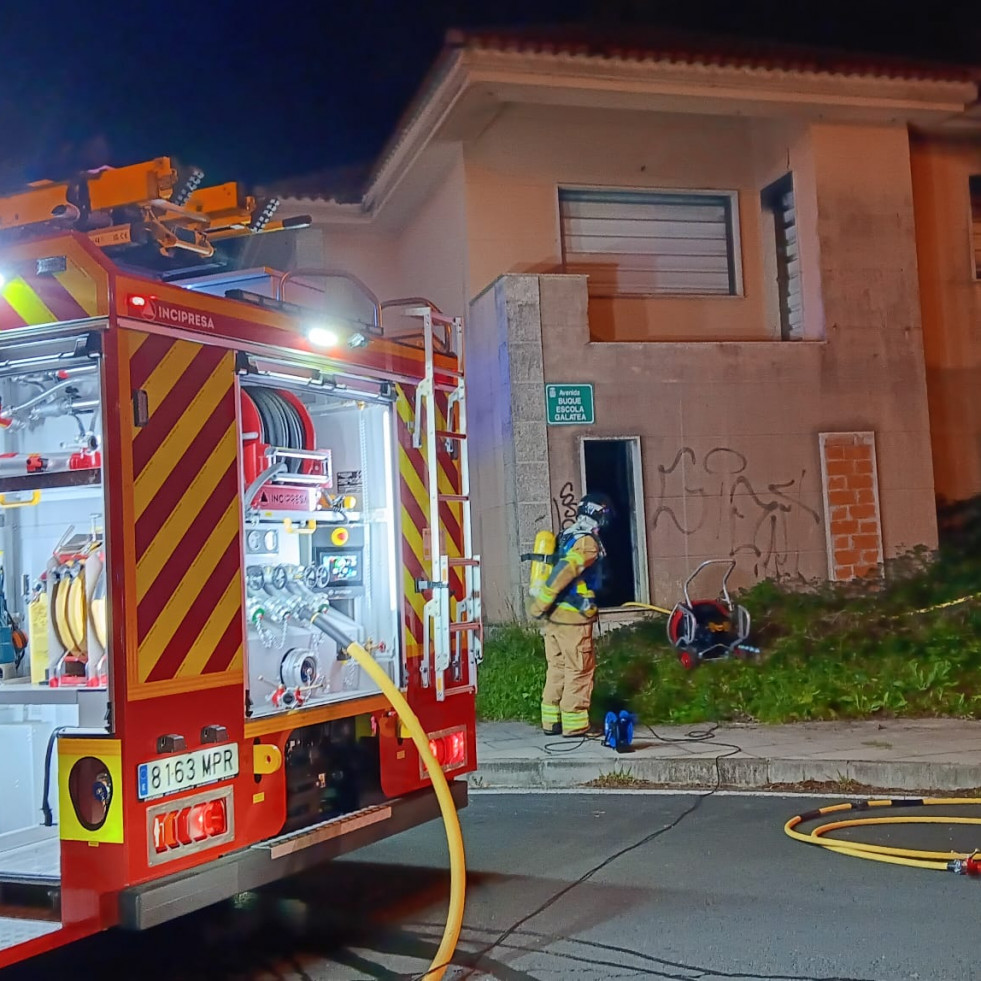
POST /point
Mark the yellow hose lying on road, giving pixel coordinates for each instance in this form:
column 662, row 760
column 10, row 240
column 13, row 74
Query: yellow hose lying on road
column 451, row 822
column 950, row 861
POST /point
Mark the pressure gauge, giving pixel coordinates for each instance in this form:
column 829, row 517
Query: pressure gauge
column 323, row 577
column 253, row 540
column 280, row 576
column 253, row 577
column 310, row 576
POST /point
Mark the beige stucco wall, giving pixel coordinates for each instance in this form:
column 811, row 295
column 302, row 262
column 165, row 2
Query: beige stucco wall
column 871, row 301
column 514, row 168
column 951, row 304
column 729, row 419
column 431, row 249
column 730, row 432
column 729, row 447
column 422, row 254
column 508, row 455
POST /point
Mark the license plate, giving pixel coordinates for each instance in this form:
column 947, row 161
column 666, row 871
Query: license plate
column 173, row 774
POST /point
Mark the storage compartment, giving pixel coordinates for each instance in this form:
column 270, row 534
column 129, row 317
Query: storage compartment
column 54, row 639
column 320, row 535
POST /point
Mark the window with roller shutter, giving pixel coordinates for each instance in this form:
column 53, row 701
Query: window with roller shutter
column 651, row 243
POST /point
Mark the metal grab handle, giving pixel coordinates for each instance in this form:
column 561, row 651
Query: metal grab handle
column 35, row 498
column 307, row 528
column 725, row 579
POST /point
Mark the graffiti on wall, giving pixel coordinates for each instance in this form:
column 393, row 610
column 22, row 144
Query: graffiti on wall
column 715, row 498
column 564, row 506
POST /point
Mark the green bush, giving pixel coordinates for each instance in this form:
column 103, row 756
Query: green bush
column 852, row 651
column 513, row 673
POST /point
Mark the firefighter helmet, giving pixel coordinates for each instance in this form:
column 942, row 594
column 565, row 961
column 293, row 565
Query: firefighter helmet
column 598, row 507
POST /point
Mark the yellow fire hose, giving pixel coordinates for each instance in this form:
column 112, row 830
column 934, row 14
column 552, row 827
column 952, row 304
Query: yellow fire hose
column 960, row 862
column 648, row 606
column 451, row 822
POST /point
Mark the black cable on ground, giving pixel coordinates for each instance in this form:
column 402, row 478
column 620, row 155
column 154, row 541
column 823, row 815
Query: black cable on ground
column 570, row 744
column 694, row 736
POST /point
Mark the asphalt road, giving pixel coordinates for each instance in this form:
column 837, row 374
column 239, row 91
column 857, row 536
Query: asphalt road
column 721, row 895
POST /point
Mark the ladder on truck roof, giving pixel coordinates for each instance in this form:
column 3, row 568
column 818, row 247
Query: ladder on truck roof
column 149, row 203
column 440, row 631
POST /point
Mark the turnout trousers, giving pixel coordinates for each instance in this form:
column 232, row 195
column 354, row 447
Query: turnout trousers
column 568, row 677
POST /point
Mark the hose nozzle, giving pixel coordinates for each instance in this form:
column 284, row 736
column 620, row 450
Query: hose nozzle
column 337, row 635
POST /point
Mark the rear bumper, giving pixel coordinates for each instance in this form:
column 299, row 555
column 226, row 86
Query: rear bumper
column 163, row 899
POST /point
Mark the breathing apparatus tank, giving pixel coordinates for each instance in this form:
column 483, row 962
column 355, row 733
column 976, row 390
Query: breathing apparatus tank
column 541, row 567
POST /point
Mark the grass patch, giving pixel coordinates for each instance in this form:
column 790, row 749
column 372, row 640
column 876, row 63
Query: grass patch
column 855, row 651
column 839, row 788
column 619, row 780
column 512, row 674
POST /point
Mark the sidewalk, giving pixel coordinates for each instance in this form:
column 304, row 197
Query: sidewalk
column 908, row 755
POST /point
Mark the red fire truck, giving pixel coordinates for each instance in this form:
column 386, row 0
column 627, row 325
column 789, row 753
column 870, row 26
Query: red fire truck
column 198, row 469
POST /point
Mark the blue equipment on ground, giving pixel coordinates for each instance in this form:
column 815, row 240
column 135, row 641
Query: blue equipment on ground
column 618, row 731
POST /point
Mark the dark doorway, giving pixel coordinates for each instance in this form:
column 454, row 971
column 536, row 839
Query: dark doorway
column 610, row 467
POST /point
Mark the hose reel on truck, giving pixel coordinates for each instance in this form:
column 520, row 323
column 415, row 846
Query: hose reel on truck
column 279, row 444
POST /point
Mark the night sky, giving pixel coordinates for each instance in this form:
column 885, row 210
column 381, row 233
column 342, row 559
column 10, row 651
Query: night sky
column 262, row 91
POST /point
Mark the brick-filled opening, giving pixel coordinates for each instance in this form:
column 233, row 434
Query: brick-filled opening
column 851, row 505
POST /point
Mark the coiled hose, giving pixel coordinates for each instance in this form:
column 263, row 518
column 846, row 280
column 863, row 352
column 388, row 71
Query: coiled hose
column 963, row 863
column 451, row 822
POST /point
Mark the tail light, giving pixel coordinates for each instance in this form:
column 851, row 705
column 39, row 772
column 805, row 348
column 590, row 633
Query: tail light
column 449, row 747
column 188, row 825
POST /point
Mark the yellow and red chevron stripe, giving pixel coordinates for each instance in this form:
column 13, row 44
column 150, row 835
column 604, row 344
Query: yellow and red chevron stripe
column 414, row 499
column 186, row 514
column 414, row 519
column 32, row 300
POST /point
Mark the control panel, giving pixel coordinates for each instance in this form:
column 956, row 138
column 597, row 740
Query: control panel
column 338, row 554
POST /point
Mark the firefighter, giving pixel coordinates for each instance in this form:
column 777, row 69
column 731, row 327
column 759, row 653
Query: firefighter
column 567, row 602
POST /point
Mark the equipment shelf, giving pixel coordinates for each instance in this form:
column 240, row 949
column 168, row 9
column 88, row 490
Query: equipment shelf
column 43, row 481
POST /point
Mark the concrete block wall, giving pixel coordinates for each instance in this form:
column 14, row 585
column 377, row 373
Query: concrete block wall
column 508, row 449
column 519, row 304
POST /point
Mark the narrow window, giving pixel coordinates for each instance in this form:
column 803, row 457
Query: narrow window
column 975, row 185
column 782, row 260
